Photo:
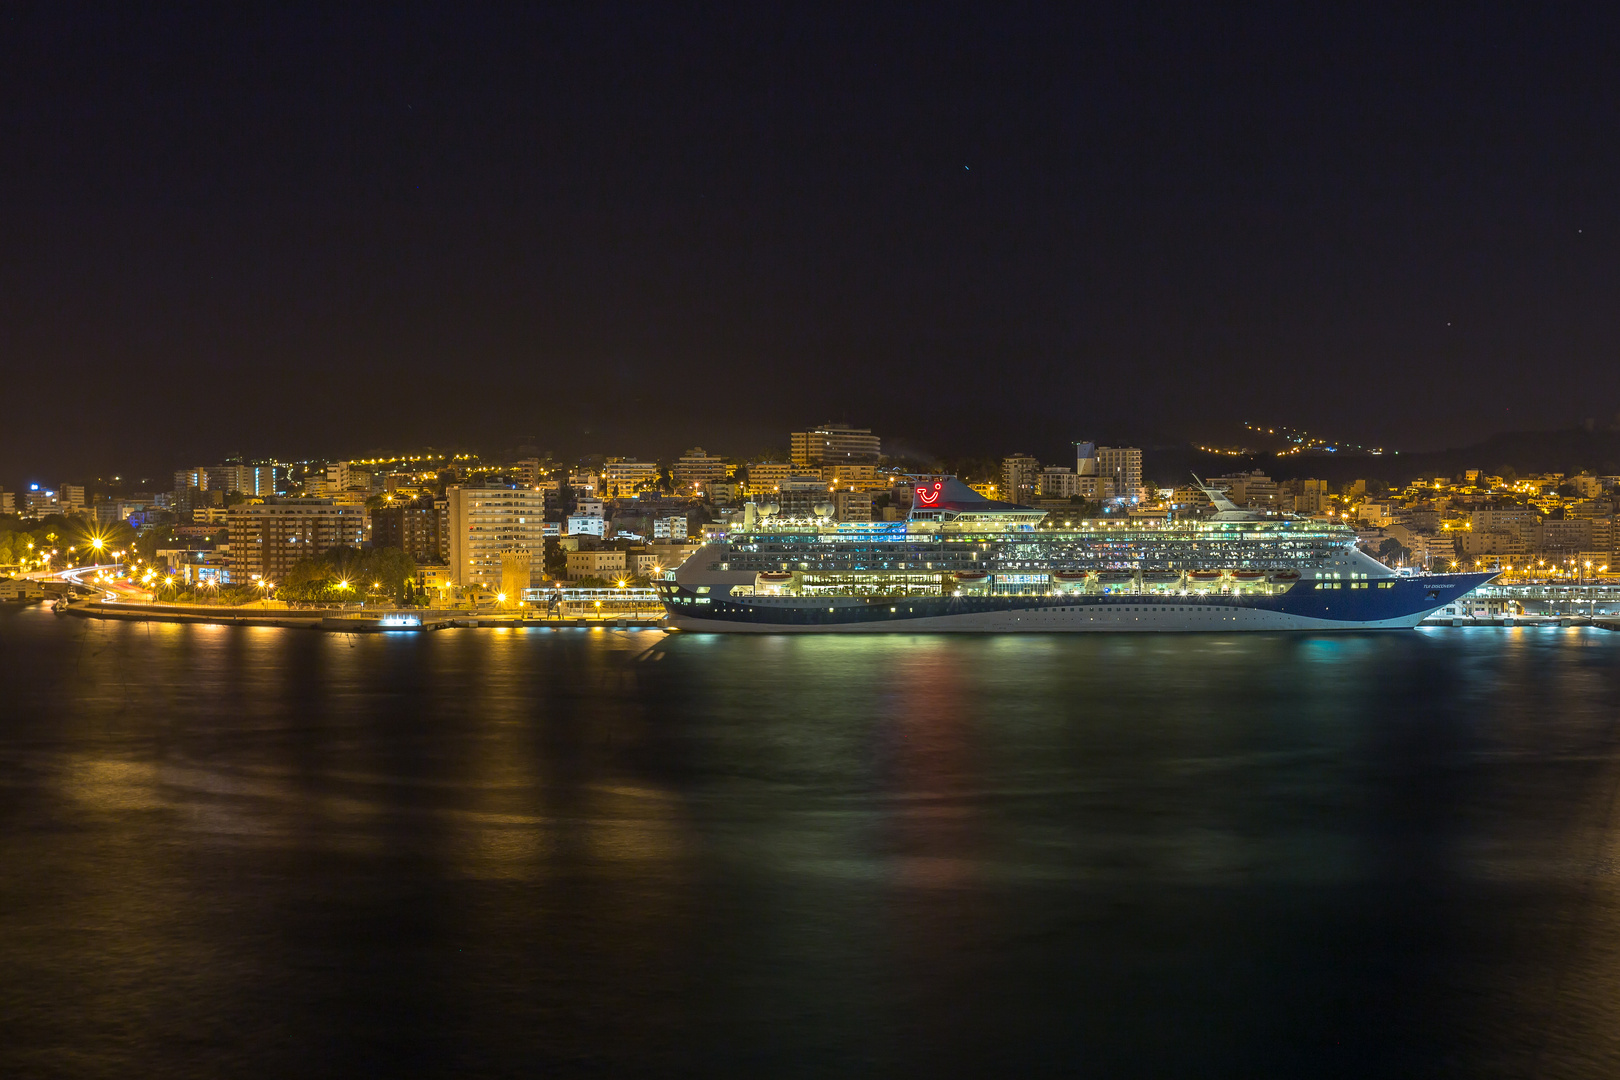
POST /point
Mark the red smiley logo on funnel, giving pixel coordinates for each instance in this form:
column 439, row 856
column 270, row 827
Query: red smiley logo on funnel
column 930, row 496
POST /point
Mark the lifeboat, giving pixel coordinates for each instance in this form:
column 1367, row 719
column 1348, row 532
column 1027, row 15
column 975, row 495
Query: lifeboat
column 972, row 577
column 1247, row 577
column 1112, row 578
column 1160, row 577
column 775, row 577
column 1204, row 575
column 1070, row 578
column 1285, row 575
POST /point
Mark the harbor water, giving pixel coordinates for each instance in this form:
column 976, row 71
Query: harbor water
column 248, row 851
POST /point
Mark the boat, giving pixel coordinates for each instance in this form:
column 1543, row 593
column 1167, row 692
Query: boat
column 908, row 576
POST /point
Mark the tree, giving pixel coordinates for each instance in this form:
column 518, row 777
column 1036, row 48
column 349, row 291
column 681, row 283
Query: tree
column 344, row 574
column 555, row 559
column 1392, row 550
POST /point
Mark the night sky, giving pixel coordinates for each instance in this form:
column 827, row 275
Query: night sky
column 631, row 229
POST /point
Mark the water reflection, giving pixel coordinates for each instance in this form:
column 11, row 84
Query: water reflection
column 280, row 853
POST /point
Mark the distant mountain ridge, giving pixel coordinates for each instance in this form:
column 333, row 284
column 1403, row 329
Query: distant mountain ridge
column 1565, row 450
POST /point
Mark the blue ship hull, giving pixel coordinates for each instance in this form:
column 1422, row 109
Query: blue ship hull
column 1308, row 605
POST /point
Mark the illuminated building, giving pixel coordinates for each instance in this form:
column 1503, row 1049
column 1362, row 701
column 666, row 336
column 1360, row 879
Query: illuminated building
column 621, row 479
column 269, row 538
column 486, row 521
column 600, row 564
column 766, row 477
column 695, row 469
column 671, row 527
column 833, row 444
column 1020, row 477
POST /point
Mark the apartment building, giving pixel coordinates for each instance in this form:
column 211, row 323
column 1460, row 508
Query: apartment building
column 851, row 505
column 420, row 529
column 485, row 521
column 1058, row 482
column 695, row 469
column 766, row 477
column 621, row 479
column 1118, row 465
column 1020, row 478
column 269, row 538
column 832, row 444
column 599, row 564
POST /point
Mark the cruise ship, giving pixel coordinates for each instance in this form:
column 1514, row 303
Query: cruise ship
column 962, row 562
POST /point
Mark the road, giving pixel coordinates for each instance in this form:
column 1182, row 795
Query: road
column 92, row 577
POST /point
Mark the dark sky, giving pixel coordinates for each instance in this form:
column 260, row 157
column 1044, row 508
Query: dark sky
column 628, row 229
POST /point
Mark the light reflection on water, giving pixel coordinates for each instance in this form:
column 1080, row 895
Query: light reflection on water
column 265, row 852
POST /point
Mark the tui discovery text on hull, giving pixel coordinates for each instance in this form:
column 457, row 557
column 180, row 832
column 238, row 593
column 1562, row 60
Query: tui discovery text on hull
column 962, row 562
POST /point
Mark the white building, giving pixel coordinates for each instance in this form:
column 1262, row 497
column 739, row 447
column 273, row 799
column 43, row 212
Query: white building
column 1058, row 482
column 587, row 525
column 669, row 528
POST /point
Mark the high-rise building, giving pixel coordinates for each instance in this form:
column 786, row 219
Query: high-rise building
column 1020, row 478
column 833, row 444
column 485, row 521
column 256, row 480
column 270, row 538
column 190, row 478
column 8, row 502
column 419, row 529
column 1121, row 465
column 694, row 469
